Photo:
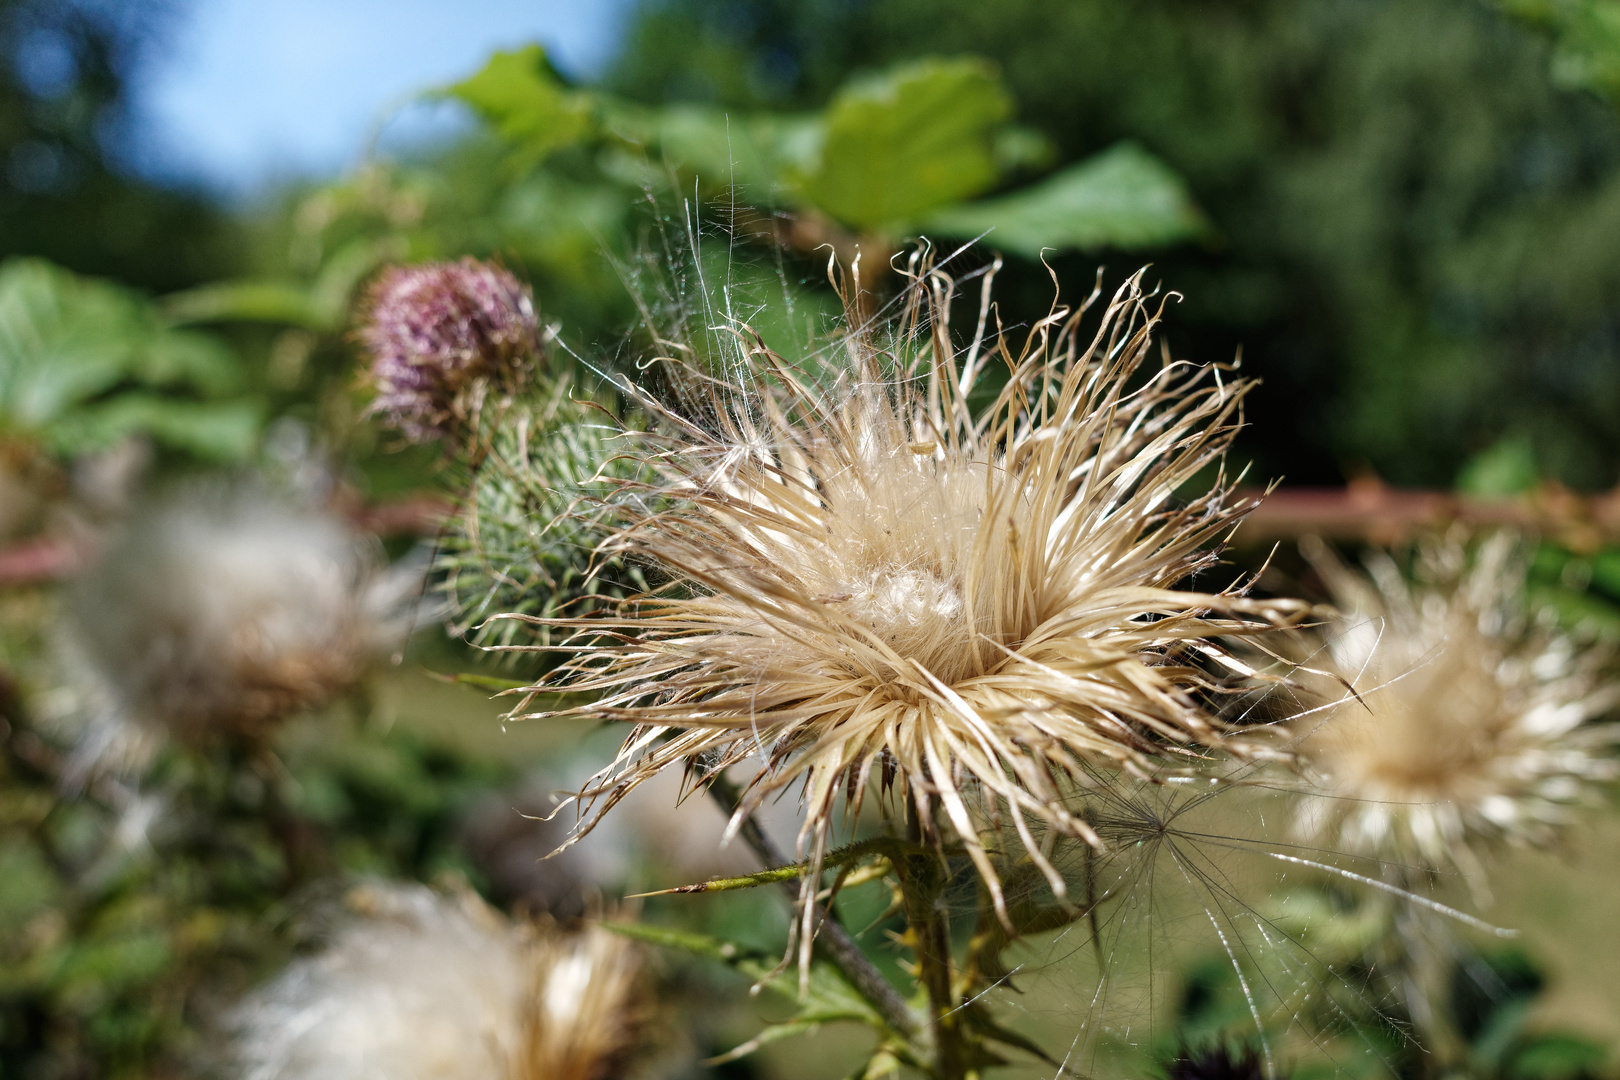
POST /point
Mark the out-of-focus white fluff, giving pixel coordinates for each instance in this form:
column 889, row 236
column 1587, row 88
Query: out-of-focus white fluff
column 424, row 987
column 225, row 610
column 1469, row 721
column 430, row 987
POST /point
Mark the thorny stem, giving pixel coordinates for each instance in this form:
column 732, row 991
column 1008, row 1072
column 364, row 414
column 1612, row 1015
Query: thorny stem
column 832, row 940
column 922, row 880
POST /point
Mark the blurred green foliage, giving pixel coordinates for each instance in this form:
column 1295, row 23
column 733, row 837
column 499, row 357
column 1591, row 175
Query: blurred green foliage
column 129, row 920
column 1402, row 211
column 84, row 363
column 1586, row 37
column 1412, row 219
column 1363, row 1028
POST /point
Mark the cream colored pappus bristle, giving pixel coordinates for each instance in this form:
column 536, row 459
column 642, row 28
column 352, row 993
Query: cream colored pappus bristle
column 869, row 583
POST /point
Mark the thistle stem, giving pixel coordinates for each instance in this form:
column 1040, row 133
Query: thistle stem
column 833, row 942
column 922, row 879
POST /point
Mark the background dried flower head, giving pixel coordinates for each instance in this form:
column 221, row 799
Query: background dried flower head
column 217, row 612
column 1469, row 721
column 423, row 986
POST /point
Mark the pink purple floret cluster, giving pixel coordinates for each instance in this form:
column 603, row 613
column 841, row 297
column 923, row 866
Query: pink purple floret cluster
column 436, row 330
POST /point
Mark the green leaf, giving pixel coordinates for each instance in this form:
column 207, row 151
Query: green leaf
column 521, row 95
column 750, row 153
column 248, row 301
column 217, row 431
column 72, row 350
column 1507, row 467
column 829, row 998
column 61, row 340
column 1123, row 198
column 900, row 145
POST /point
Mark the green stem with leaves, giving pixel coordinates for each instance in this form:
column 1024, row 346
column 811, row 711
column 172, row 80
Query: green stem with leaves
column 832, row 940
column 950, row 1039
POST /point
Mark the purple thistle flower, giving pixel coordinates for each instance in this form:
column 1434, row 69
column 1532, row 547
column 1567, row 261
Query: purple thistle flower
column 440, row 332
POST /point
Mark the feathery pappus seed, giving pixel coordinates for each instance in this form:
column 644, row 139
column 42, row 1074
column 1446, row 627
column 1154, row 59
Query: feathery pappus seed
column 440, row 335
column 423, row 986
column 219, row 612
column 870, row 580
column 1468, row 722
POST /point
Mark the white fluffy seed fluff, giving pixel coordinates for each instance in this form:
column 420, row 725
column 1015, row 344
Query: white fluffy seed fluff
column 1469, row 722
column 424, row 986
column 217, row 611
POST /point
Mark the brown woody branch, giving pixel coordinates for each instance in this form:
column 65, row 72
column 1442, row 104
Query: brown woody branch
column 1370, row 511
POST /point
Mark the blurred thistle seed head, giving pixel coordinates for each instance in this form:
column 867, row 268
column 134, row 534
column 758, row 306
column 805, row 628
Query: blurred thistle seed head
column 1217, row 1062
column 218, row 612
column 870, row 585
column 441, row 336
column 423, row 986
column 1469, row 721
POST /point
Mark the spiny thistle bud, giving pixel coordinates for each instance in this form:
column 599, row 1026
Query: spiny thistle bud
column 518, row 544
column 421, row 986
column 1467, row 722
column 218, row 612
column 440, row 336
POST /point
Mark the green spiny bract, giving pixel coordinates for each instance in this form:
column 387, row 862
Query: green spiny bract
column 522, row 542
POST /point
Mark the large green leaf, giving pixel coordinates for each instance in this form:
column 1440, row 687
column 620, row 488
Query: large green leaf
column 897, row 146
column 83, row 361
column 1122, row 198
column 520, row 94
column 752, row 153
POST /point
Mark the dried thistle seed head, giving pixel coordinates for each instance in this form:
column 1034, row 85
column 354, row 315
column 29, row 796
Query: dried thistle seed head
column 1468, row 723
column 422, row 986
column 585, row 1014
column 866, row 579
column 440, row 335
column 218, row 612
